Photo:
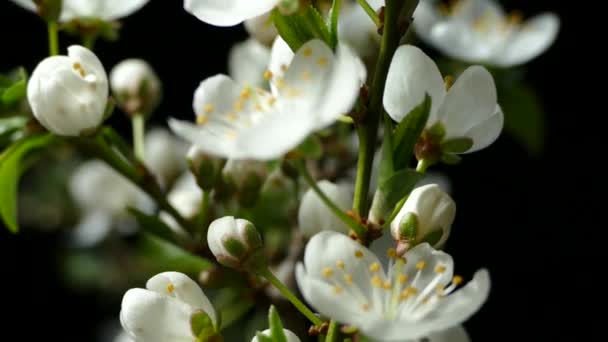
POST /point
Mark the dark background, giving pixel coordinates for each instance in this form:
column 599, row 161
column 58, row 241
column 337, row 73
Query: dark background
column 535, row 222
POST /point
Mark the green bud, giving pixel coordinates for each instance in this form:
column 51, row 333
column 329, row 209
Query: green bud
column 407, row 228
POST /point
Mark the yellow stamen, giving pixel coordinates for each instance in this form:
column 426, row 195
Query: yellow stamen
column 307, row 52
column 338, row 289
column 328, row 272
column 208, row 108
column 420, row 265
column 340, row 264
column 358, row 254
column 375, row 267
column 322, row 61
column 440, row 269
column 170, row 288
column 457, row 280
column 267, row 75
column 387, row 285
column 202, row 119
column 448, row 81
column 348, row 278
column 402, row 279
column 376, row 281
column 392, row 253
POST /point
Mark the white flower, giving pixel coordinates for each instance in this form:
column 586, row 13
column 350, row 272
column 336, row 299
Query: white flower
column 262, row 29
column 247, row 62
column 163, row 310
column 241, row 122
column 165, row 154
column 68, row 94
column 431, row 210
column 291, row 337
column 186, row 198
column 103, row 195
column 468, row 109
column 314, row 216
column 233, row 242
column 415, row 298
column 479, row 31
column 136, row 86
column 228, row 12
column 107, row 10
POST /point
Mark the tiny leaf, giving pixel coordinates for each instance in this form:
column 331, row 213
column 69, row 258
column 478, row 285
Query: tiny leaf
column 457, row 145
column 276, row 326
column 393, row 190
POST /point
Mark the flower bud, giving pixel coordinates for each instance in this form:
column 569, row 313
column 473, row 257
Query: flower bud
column 205, row 168
column 235, row 243
column 247, row 177
column 314, row 216
column 262, row 29
column 426, row 216
column 49, row 10
column 68, row 94
column 290, row 336
column 136, row 86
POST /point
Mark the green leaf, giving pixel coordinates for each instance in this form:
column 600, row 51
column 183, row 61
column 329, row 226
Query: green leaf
column 172, row 257
column 11, row 124
column 14, row 93
column 299, row 28
column 457, row 145
column 11, row 168
column 524, row 117
column 393, row 190
column 408, row 131
column 432, row 238
column 201, row 325
column 333, row 24
column 152, row 224
column 276, row 326
column 450, row 158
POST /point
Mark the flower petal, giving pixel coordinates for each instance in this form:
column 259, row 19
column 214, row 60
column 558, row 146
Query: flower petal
column 470, row 101
column 92, row 229
column 536, row 36
column 152, row 317
column 247, row 62
column 181, row 287
column 412, row 74
column 426, row 260
column 486, row 132
column 227, row 12
column 104, row 9
column 280, row 59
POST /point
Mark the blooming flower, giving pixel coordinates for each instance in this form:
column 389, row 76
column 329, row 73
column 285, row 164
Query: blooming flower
column 136, row 86
column 467, row 110
column 104, row 9
column 163, row 311
column 228, row 12
column 314, row 216
column 430, row 210
column 241, row 122
column 68, row 94
column 103, row 196
column 291, row 337
column 479, row 31
column 417, row 297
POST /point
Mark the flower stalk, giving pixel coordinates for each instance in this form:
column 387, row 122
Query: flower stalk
column 53, row 32
column 138, row 123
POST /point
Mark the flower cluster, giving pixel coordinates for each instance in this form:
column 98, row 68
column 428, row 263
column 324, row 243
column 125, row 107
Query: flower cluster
column 325, row 107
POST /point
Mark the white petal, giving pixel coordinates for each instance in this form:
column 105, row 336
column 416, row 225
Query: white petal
column 314, row 216
column 27, row 4
column 262, row 28
column 103, row 9
column 486, row 132
column 280, row 59
column 431, row 258
column 327, row 250
column 341, row 86
column 463, row 303
column 425, row 17
column 227, row 12
column 151, row 317
column 457, row 39
column 356, row 29
column 92, row 229
column 470, row 101
column 247, row 62
column 412, row 74
column 181, row 287
column 535, row 36
column 455, row 334
column 291, row 337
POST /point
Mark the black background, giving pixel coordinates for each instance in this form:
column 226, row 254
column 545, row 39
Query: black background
column 535, row 222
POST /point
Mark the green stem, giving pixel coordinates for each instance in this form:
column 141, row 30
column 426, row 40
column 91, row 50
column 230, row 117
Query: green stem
column 368, row 128
column 370, row 11
column 422, row 166
column 333, row 332
column 138, row 122
column 290, row 296
column 354, row 225
column 53, row 38
column 204, row 214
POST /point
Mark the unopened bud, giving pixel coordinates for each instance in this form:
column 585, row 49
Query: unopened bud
column 205, row 167
column 235, row 243
column 247, row 177
column 136, row 86
column 428, row 212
